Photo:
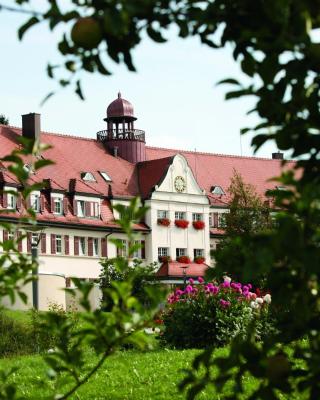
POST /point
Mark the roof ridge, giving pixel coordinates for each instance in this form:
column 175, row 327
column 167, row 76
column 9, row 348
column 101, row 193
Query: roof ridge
column 52, row 133
column 214, row 154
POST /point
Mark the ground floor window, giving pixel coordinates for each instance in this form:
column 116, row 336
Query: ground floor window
column 163, row 251
column 181, row 252
column 58, row 244
column 198, row 253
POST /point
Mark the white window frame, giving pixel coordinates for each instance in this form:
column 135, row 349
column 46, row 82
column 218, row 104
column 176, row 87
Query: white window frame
column 181, row 252
column 123, row 252
column 34, row 239
column 163, row 251
column 197, row 217
column 82, row 246
column 179, row 215
column 198, row 253
column 105, row 176
column 95, row 247
column 58, row 243
column 10, row 235
column 57, row 200
column 81, row 208
column 35, row 202
column 137, row 253
column 11, row 201
column 162, row 213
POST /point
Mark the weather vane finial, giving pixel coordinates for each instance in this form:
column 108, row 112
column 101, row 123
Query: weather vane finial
column 119, row 94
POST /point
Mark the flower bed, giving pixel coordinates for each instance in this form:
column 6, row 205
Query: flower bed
column 164, row 259
column 184, row 259
column 164, row 221
column 211, row 314
column 199, row 260
column 181, row 223
column 198, row 225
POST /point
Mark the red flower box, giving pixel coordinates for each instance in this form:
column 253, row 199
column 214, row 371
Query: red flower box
column 164, row 259
column 181, row 223
column 164, row 221
column 199, row 260
column 184, row 259
column 198, row 225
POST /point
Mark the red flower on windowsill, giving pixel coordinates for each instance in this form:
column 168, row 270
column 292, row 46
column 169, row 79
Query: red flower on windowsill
column 198, row 225
column 164, row 259
column 184, row 259
column 199, row 260
column 181, row 223
column 164, row 221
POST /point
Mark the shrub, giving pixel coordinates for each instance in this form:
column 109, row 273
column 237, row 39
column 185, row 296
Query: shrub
column 164, row 221
column 198, row 225
column 210, row 314
column 181, row 223
column 164, row 259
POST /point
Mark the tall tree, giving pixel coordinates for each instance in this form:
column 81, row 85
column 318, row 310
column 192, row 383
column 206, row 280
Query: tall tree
column 4, row 120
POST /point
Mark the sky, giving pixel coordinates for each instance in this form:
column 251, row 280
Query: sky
column 174, row 91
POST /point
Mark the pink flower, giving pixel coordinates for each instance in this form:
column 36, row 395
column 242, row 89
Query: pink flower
column 214, row 289
column 188, row 289
column 191, row 281
column 200, row 280
column 179, row 292
column 224, row 303
column 226, row 284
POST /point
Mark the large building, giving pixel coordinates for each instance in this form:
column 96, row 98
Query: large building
column 186, row 193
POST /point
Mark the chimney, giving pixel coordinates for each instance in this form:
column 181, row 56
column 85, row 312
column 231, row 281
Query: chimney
column 277, row 156
column 31, row 126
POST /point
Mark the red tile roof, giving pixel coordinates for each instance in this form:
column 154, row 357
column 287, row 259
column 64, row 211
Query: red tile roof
column 174, row 269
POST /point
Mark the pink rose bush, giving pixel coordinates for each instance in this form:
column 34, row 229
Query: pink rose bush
column 211, row 313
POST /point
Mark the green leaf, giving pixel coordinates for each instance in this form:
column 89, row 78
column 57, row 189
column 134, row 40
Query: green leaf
column 22, row 30
column 155, row 35
column 230, row 81
column 79, row 90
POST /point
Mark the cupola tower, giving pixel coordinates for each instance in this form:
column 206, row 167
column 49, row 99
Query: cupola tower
column 121, row 138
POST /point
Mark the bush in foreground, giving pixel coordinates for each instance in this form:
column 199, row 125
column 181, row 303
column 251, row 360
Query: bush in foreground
column 211, row 314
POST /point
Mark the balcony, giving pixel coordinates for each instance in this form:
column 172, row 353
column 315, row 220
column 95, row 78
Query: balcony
column 121, row 134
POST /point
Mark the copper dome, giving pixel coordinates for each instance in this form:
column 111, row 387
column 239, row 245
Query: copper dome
column 120, row 108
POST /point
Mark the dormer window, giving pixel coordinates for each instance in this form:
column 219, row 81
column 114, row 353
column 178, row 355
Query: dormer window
column 11, row 201
column 35, row 202
column 105, row 176
column 217, row 190
column 57, row 205
column 88, row 177
column 89, row 209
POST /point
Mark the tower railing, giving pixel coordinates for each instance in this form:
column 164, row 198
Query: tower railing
column 121, row 134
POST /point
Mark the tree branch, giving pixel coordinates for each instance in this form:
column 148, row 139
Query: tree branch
column 20, row 10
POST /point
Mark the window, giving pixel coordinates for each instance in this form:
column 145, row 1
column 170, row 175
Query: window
column 10, row 235
column 162, row 214
column 95, row 247
column 87, row 176
column 181, row 252
column 57, row 205
column 179, row 215
column 122, row 251
column 221, row 220
column 163, row 251
column 137, row 252
column 82, row 246
column 12, row 201
column 217, row 190
column 35, row 202
column 197, row 217
column 198, row 253
column 217, row 220
column 105, row 176
column 81, row 208
column 58, row 244
column 89, row 209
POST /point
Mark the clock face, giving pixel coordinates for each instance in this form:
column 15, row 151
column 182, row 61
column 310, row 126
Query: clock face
column 180, row 184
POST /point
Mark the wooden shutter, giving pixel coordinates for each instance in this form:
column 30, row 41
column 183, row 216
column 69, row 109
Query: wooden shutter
column 5, row 235
column 19, row 202
column 87, row 209
column 65, row 205
column 52, row 204
column 29, row 238
column 74, row 207
column 143, row 249
column 66, row 244
column 53, row 244
column 90, row 246
column 215, row 220
column 104, row 247
column 43, row 243
column 5, row 200
column 19, row 234
column 76, row 245
column 42, row 203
